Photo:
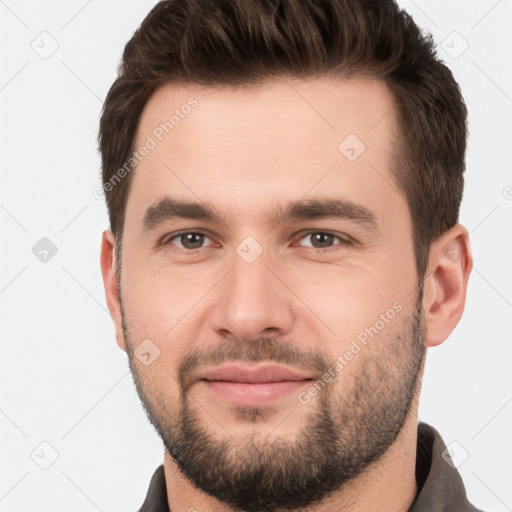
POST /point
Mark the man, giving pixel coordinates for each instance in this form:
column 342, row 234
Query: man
column 283, row 180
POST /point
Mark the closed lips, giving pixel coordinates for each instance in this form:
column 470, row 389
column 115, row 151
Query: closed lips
column 259, row 375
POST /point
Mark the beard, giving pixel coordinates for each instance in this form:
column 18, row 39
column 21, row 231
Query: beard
column 344, row 433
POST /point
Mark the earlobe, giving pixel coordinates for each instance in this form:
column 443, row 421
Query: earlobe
column 108, row 271
column 450, row 264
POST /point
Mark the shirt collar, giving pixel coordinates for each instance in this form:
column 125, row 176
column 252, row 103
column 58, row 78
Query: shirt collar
column 440, row 484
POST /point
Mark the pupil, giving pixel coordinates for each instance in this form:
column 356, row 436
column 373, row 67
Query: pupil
column 188, row 240
column 318, row 237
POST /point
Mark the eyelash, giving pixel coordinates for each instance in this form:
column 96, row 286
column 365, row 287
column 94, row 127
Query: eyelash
column 344, row 242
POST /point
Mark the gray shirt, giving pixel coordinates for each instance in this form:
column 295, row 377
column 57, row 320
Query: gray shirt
column 440, row 487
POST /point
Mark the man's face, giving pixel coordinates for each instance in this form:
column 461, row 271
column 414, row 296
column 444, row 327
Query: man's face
column 332, row 297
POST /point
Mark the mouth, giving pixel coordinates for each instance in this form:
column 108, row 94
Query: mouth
column 250, row 387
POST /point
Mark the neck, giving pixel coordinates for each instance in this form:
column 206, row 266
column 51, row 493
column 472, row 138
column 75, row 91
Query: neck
column 388, row 485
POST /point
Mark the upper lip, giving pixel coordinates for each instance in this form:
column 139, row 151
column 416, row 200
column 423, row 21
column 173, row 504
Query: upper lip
column 266, row 373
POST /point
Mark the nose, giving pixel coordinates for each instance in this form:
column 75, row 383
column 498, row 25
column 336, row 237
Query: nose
column 253, row 301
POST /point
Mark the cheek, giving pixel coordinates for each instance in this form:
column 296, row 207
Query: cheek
column 161, row 305
column 154, row 298
column 346, row 297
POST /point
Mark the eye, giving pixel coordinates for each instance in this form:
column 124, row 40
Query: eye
column 187, row 241
column 190, row 241
column 322, row 240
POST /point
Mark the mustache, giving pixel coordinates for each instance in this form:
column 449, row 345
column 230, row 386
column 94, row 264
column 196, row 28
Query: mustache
column 269, row 350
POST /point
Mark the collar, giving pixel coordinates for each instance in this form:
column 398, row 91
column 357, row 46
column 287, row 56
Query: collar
column 440, row 485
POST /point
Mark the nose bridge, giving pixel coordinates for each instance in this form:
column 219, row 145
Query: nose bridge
column 251, row 281
column 253, row 301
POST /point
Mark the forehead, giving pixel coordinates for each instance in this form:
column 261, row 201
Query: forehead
column 296, row 109
column 264, row 144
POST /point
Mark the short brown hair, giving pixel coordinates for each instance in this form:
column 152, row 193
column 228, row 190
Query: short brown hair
column 244, row 42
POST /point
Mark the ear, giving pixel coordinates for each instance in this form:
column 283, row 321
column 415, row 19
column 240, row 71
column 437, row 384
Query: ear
column 108, row 270
column 446, row 281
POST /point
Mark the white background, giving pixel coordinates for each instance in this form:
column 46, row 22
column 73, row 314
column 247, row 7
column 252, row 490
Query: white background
column 63, row 379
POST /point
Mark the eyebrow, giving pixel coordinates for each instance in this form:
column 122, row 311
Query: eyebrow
column 168, row 208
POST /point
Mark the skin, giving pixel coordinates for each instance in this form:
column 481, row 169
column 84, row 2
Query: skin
column 245, row 151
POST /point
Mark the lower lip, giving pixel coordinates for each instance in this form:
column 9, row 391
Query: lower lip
column 253, row 394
